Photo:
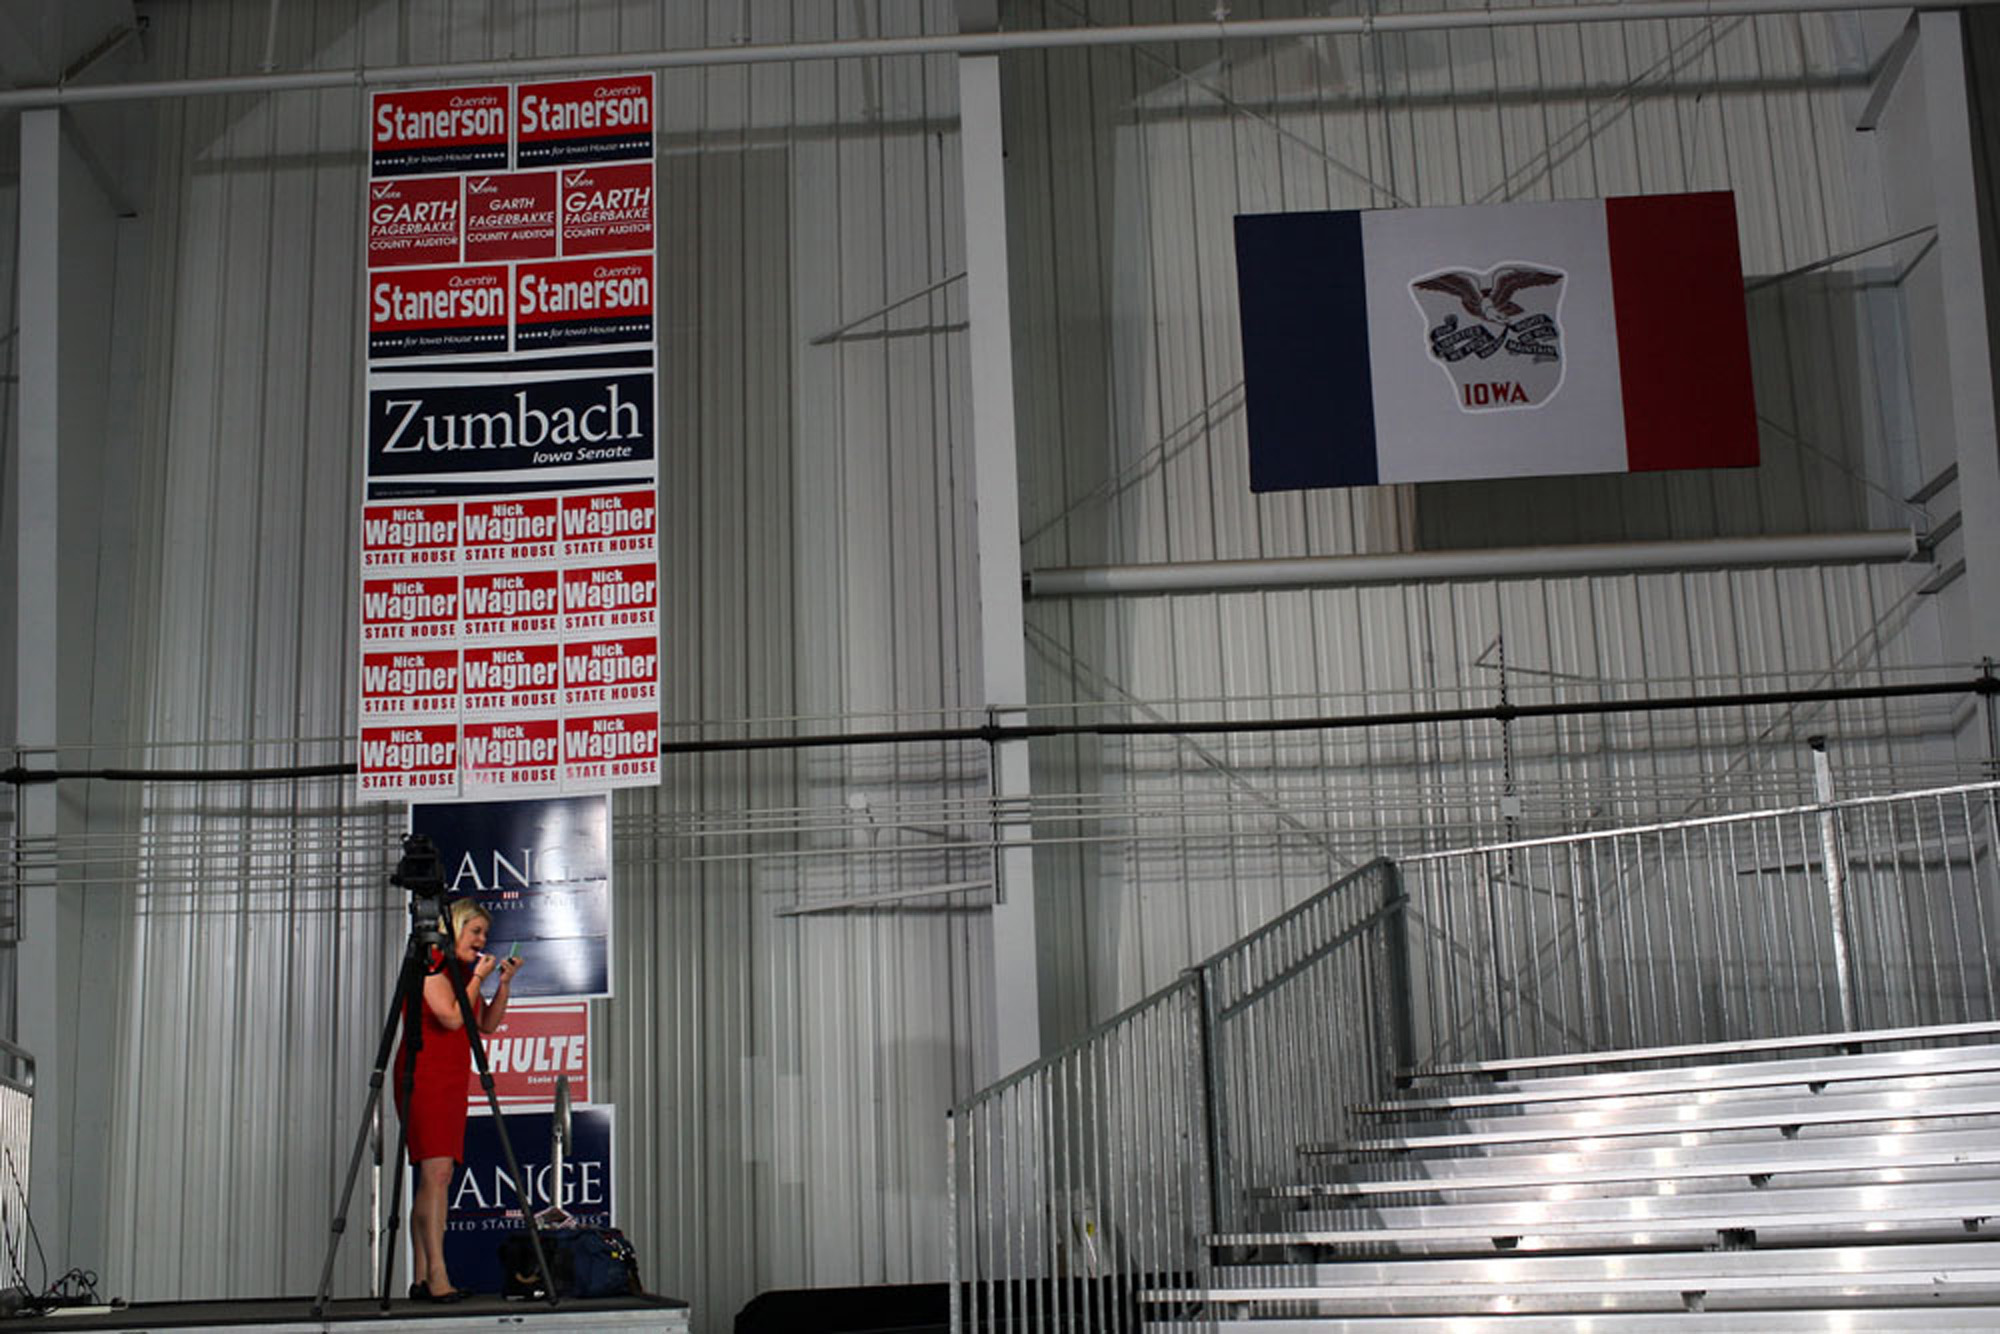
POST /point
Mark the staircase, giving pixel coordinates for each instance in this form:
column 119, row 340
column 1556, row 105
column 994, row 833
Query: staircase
column 1828, row 1182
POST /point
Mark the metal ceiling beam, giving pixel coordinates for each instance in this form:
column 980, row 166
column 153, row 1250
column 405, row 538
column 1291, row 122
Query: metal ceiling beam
column 1551, row 562
column 965, row 44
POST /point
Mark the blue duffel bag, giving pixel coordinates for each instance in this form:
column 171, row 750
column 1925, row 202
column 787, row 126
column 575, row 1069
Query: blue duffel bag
column 584, row 1261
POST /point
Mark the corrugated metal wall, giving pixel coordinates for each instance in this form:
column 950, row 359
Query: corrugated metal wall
column 781, row 1078
column 780, row 1081
column 10, row 356
column 1126, row 167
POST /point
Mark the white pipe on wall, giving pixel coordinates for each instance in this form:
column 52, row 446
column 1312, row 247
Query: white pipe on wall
column 1497, row 563
column 962, row 43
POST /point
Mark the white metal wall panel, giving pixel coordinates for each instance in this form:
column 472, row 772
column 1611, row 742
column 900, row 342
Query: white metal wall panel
column 780, row 1080
column 10, row 350
column 1134, row 451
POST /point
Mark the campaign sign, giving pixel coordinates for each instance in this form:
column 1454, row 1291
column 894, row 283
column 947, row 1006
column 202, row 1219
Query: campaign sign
column 510, row 215
column 437, row 312
column 418, row 426
column 410, row 683
column 409, row 536
column 612, row 748
column 534, row 1045
column 415, row 608
column 620, row 523
column 511, row 530
column 512, row 677
column 511, row 602
column 611, row 597
column 415, row 757
column 607, row 209
column 414, row 221
column 586, row 120
column 542, row 868
column 603, row 671
column 583, row 303
column 485, row 1205
column 511, row 754
column 510, row 416
column 418, row 132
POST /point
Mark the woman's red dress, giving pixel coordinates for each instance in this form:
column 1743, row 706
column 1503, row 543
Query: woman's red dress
column 434, row 1114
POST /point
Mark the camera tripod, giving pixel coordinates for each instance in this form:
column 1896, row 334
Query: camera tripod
column 418, row 872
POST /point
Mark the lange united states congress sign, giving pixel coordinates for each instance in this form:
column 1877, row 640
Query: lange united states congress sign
column 1418, row 345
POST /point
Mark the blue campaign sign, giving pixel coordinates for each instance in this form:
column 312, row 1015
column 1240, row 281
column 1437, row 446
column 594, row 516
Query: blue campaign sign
column 484, row 1205
column 542, row 867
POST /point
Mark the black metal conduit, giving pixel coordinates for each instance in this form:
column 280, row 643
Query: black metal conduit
column 1985, row 684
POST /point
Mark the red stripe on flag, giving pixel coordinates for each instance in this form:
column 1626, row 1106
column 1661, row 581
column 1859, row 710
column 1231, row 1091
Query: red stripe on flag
column 1683, row 341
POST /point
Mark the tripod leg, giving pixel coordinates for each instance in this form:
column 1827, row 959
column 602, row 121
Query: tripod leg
column 394, row 1225
column 522, row 1186
column 397, row 1012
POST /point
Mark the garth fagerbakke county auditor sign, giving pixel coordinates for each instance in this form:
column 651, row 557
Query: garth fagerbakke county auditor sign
column 510, row 590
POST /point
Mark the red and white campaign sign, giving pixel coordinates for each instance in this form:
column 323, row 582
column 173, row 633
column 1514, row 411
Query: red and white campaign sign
column 534, row 1046
column 422, row 132
column 512, row 677
column 611, row 747
column 511, row 602
column 607, row 209
column 504, row 755
column 510, row 527
column 414, row 609
column 437, row 312
column 586, row 120
column 611, row 597
column 584, row 303
column 618, row 523
column 510, row 530
column 415, row 757
column 510, row 215
column 409, row 683
column 604, row 671
column 420, row 535
column 413, row 221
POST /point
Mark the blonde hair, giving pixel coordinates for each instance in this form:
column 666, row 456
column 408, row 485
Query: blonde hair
column 460, row 913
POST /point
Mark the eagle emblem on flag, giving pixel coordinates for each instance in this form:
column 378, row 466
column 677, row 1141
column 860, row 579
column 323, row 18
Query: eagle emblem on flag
column 1496, row 335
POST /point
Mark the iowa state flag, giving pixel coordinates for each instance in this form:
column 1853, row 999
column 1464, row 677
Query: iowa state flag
column 1512, row 340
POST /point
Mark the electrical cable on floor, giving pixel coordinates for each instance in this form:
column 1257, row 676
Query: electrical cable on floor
column 76, row 1288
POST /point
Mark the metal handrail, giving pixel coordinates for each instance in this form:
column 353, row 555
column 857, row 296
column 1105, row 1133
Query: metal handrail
column 1698, row 822
column 1827, row 916
column 1810, row 918
column 1092, row 1172
column 17, row 1068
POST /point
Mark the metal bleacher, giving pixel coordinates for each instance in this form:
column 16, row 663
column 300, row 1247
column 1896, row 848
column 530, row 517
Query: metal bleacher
column 1739, row 1072
column 1741, row 1183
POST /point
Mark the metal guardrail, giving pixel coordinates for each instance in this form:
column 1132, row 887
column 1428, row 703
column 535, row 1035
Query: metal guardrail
column 1867, row 913
column 1099, row 1171
column 17, row 1124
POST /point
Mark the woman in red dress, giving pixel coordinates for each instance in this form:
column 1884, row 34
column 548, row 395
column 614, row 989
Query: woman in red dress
column 434, row 1114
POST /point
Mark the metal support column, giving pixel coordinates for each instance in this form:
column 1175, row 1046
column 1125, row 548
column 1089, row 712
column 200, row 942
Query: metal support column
column 1967, row 333
column 1003, row 645
column 1833, row 866
column 39, row 1021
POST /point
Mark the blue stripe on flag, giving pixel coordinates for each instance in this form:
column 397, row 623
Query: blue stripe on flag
column 1304, row 311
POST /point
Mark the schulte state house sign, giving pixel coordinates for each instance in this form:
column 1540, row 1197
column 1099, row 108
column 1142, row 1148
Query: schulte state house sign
column 510, row 619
